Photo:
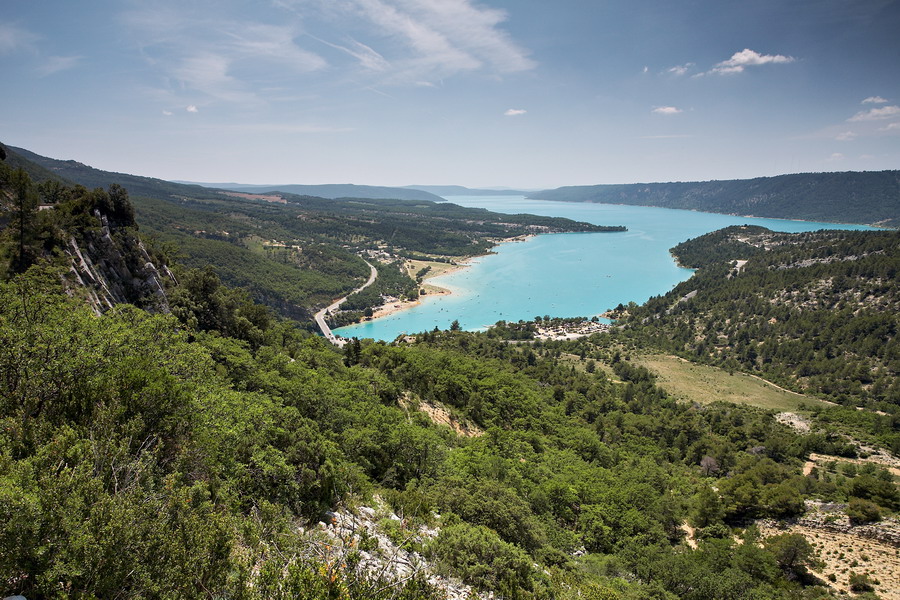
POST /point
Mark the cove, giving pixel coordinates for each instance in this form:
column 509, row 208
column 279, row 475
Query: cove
column 565, row 275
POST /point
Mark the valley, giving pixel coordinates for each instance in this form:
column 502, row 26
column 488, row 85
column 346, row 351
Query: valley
column 161, row 431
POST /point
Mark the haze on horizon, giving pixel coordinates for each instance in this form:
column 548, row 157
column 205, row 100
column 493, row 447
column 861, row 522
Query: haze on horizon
column 486, row 93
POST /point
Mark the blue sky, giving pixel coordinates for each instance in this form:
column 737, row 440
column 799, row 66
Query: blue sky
column 523, row 93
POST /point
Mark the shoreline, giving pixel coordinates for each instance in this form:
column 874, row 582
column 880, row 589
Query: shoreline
column 390, row 308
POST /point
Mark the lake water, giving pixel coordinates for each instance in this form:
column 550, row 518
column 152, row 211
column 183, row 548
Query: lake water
column 566, row 274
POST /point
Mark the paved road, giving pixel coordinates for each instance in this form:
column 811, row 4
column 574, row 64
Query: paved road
column 320, row 316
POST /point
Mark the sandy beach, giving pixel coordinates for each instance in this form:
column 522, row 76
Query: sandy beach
column 437, row 269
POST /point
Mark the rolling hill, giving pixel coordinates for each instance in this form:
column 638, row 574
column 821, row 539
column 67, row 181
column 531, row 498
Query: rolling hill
column 871, row 198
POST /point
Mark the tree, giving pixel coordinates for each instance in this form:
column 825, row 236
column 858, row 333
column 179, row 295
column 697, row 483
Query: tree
column 707, row 509
column 122, row 212
column 792, row 552
column 455, row 326
column 709, row 465
column 863, row 511
column 25, row 201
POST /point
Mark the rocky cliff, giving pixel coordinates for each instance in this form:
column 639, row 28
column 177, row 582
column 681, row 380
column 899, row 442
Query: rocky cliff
column 113, row 267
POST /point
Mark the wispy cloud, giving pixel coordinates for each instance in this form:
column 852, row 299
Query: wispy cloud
column 836, row 157
column 890, row 127
column 845, row 136
column 679, row 70
column 423, row 40
column 366, row 57
column 275, row 43
column 222, row 57
column 876, row 114
column 55, row 64
column 167, row 113
column 739, row 61
column 15, row 39
column 667, row 137
column 667, row 110
column 192, row 108
column 515, row 112
column 875, row 100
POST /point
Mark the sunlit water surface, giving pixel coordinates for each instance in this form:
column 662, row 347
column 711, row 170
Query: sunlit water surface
column 567, row 274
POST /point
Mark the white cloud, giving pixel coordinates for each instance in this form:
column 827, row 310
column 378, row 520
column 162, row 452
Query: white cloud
column 845, row 136
column 515, row 112
column 366, row 56
column 14, row 39
column 679, row 70
column 423, row 40
column 875, row 114
column 219, row 56
column 836, row 157
column 890, row 127
column 748, row 58
column 667, row 110
column 646, row 68
column 874, row 100
column 273, row 43
column 192, row 109
column 167, row 113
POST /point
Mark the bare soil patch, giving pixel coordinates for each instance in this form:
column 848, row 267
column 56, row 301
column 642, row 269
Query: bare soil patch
column 841, row 551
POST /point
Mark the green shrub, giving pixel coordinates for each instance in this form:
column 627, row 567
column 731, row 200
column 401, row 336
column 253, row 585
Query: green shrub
column 479, row 557
column 860, row 582
column 863, row 511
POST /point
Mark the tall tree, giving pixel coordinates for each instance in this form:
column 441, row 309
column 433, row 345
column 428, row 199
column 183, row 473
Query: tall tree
column 25, row 202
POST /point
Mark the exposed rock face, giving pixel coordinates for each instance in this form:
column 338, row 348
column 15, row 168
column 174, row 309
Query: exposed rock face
column 112, row 266
column 343, row 532
column 831, row 516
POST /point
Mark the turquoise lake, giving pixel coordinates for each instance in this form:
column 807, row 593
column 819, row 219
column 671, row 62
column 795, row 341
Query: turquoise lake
column 566, row 274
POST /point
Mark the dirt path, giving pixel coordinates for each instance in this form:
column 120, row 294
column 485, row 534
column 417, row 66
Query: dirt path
column 815, row 459
column 691, row 541
column 778, row 387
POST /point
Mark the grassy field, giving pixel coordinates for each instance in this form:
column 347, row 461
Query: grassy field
column 437, row 269
column 702, row 383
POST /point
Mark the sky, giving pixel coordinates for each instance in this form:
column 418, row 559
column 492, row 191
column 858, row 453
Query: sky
column 525, row 94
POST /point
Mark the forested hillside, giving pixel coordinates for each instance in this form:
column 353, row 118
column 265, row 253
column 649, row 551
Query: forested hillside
column 296, row 253
column 334, row 191
column 815, row 312
column 145, row 454
column 852, row 197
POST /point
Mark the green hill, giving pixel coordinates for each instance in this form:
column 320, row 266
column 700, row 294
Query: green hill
column 332, row 190
column 852, row 197
column 814, row 312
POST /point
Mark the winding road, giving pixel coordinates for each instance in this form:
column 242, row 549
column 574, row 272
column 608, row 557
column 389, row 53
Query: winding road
column 320, row 316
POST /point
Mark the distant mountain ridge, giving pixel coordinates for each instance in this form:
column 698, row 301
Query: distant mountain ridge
column 459, row 190
column 137, row 185
column 871, row 198
column 331, row 191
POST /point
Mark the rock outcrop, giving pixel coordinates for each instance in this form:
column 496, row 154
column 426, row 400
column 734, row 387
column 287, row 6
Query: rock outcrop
column 112, row 266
